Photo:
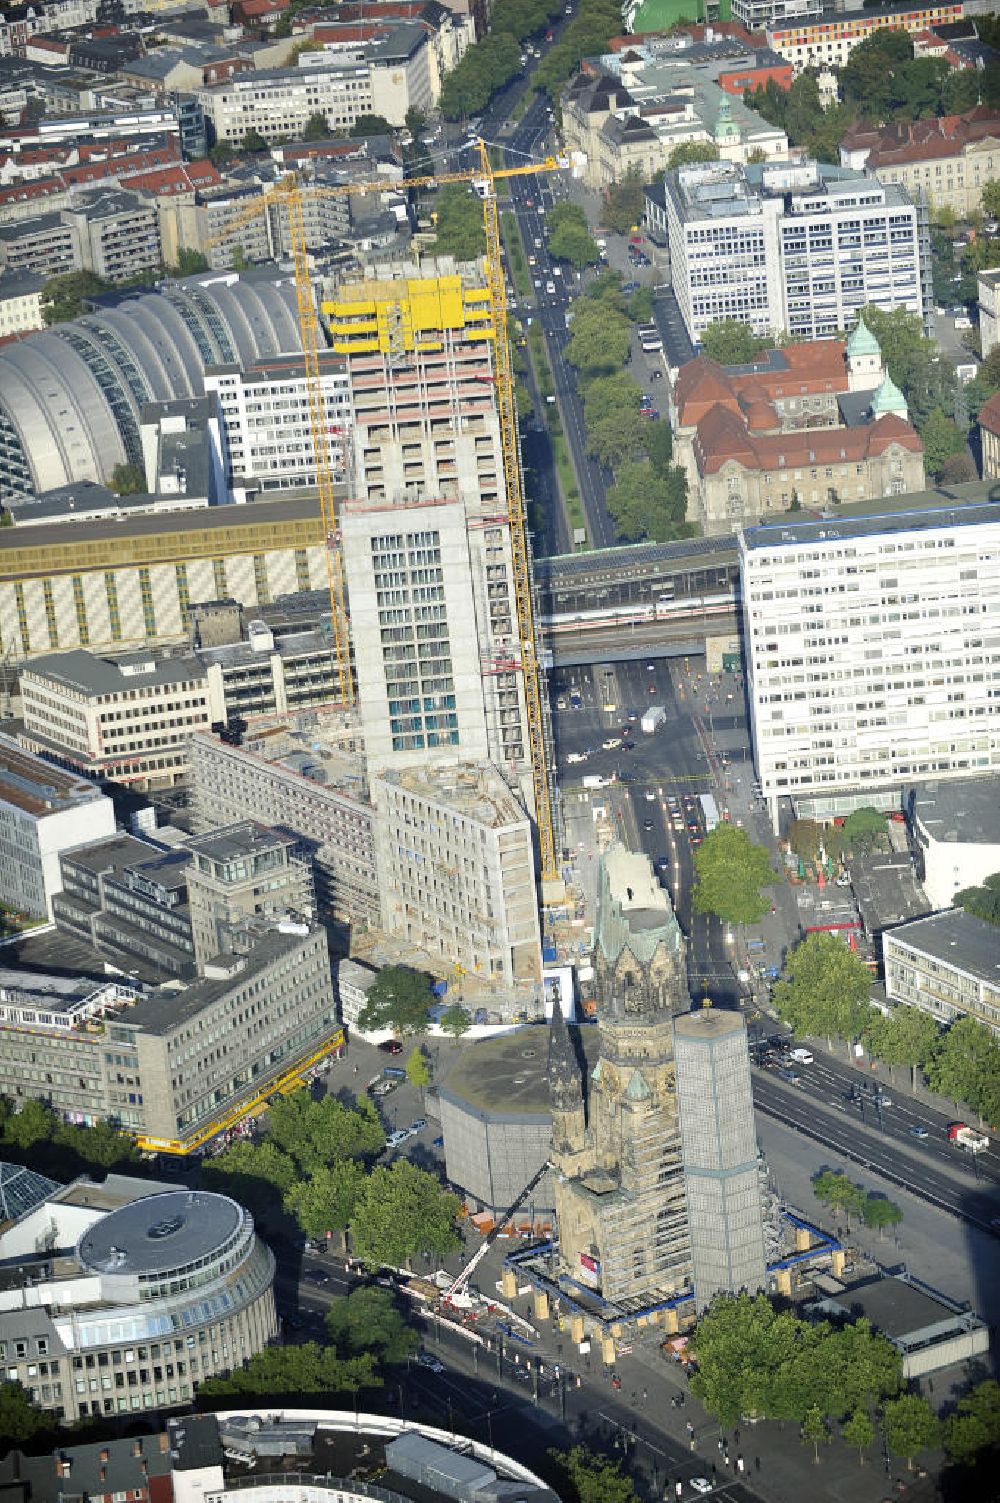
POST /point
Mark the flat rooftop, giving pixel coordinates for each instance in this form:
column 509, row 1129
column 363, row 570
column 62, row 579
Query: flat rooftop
column 506, row 1077
column 706, row 1025
column 248, row 838
column 475, row 790
column 884, row 524
column 94, row 676
column 887, row 891
column 37, row 787
column 895, row 1306
column 160, row 1232
column 958, row 939
column 965, row 811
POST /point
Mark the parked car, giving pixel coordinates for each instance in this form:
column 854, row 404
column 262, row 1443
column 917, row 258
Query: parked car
column 397, row 1138
column 391, row 1046
column 419, row 1125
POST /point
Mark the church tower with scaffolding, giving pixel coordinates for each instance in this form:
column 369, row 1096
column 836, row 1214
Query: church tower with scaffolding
column 616, row 1148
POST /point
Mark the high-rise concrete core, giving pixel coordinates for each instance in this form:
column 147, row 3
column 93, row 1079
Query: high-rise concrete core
column 719, row 1145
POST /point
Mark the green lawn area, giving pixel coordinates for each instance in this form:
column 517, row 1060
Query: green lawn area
column 572, row 504
column 515, row 255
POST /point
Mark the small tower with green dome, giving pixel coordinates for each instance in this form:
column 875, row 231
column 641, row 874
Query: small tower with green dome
column 889, row 399
column 864, row 359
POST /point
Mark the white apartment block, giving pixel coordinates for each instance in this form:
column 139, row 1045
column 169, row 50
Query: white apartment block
column 279, row 102
column 20, row 303
column 267, row 421
column 458, row 870
column 386, row 78
column 43, row 811
column 129, row 719
column 945, row 965
column 873, row 650
column 798, row 247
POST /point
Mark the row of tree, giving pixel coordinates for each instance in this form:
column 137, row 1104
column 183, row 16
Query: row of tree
column 32, row 1133
column 841, row 1194
column 587, row 35
column 318, row 1164
column 496, row 58
column 649, row 496
column 569, row 236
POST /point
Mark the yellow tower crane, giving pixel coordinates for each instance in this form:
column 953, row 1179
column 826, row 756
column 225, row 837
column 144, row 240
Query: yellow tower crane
column 288, row 194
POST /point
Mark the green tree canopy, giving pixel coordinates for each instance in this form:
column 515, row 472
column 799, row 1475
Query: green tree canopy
column 825, row 989
column 189, row 262
column 731, row 870
column 586, row 1477
column 285, row 1371
column 972, row 1432
column 456, row 1020
column 878, row 1212
column 942, row 439
column 459, row 230
column 756, row 1360
column 732, row 343
column 486, row 67
column 964, row 1064
column 863, row 829
column 21, row 1421
column 815, row 1430
column 910, row 1425
column 689, row 152
column 913, row 362
column 647, row 504
column 255, row 1174
column 128, row 480
column 418, row 1071
column 67, row 295
column 839, row 1193
column 625, row 202
column 316, row 127
column 805, row 837
column 254, row 142
column 368, row 1320
column 859, row 1430
column 403, row 1211
column 982, row 901
column 315, row 1133
column 326, row 1200
column 399, row 999
column 600, row 339
column 906, row 1037
column 569, row 236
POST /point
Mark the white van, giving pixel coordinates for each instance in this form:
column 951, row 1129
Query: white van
column 800, row 1056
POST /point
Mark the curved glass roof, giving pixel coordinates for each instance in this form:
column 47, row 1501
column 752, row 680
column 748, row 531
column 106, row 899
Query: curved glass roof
column 73, row 394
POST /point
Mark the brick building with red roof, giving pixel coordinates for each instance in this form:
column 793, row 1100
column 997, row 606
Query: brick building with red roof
column 812, row 425
column 948, row 158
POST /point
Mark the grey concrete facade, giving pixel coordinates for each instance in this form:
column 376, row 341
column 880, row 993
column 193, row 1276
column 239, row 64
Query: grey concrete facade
column 721, row 1178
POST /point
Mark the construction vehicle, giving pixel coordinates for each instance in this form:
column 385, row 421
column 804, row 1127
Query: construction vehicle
column 287, row 194
column 967, row 1137
column 491, row 1236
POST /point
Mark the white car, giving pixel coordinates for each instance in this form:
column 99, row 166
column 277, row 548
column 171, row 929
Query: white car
column 395, row 1139
column 800, row 1056
column 701, row 1485
column 550, row 288
column 650, row 796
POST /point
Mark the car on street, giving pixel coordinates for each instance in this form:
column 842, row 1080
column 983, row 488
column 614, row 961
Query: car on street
column 790, row 1076
column 647, row 824
column 801, row 1056
column 881, row 1099
column 916, row 1131
column 397, row 1138
column 428, row 1360
column 315, row 1276
column 611, row 743
column 701, row 1485
column 650, row 796
column 391, row 1046
column 656, row 375
column 418, row 1125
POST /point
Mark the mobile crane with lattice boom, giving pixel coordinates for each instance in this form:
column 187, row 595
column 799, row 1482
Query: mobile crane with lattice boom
column 288, row 193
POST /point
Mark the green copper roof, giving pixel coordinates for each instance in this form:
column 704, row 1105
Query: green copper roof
column 637, row 1089
column 888, row 398
column 862, row 340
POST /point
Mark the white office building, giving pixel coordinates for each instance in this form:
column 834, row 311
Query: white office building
column 43, row 811
column 265, row 410
column 945, row 965
column 873, row 651
column 798, row 247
